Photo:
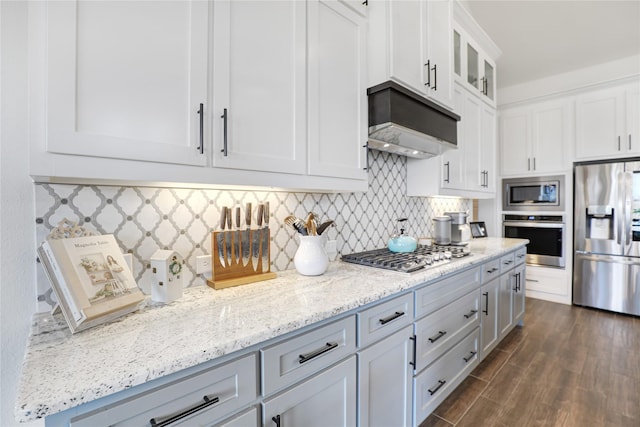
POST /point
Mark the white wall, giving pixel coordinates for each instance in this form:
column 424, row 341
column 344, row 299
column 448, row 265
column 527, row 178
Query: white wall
column 570, row 81
column 17, row 231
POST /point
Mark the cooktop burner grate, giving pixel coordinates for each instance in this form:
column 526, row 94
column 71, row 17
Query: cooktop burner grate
column 423, row 257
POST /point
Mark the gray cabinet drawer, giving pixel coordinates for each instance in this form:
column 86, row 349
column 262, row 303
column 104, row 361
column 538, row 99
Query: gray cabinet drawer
column 289, row 361
column 521, row 255
column 383, row 319
column 437, row 332
column 201, row 398
column 435, row 383
column 436, row 295
column 490, row 270
column 507, row 262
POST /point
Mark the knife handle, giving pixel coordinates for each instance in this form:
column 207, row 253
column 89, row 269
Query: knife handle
column 229, row 219
column 266, row 214
column 223, row 217
column 238, row 217
column 247, row 215
column 260, row 214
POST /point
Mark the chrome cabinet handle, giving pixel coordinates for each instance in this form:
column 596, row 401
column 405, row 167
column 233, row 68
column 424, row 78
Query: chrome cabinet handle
column 440, row 384
column 447, row 178
column 170, row 419
column 437, row 337
column 618, row 142
column 528, row 163
column 224, row 146
column 200, row 147
column 388, row 319
column 629, row 141
column 313, row 354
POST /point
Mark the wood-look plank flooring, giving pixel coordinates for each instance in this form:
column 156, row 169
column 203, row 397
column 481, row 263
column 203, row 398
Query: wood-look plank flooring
column 567, row 366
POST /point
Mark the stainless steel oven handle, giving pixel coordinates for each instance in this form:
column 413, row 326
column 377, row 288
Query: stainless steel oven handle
column 558, row 225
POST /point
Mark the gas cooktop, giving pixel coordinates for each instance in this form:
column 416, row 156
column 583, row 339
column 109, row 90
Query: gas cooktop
column 423, row 257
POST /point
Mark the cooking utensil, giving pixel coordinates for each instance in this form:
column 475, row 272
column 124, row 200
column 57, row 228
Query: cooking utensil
column 266, row 262
column 222, row 249
column 297, row 224
column 322, row 227
column 231, row 256
column 257, row 239
column 238, row 237
column 310, row 222
column 246, row 236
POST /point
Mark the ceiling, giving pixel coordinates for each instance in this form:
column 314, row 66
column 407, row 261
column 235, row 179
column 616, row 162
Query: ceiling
column 544, row 37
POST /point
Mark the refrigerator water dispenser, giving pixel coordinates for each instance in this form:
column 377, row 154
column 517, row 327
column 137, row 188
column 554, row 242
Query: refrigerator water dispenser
column 600, row 222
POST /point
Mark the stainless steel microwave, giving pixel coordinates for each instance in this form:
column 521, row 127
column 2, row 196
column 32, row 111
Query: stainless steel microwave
column 538, row 193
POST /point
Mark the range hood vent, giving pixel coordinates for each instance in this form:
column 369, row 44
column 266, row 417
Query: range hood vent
column 405, row 123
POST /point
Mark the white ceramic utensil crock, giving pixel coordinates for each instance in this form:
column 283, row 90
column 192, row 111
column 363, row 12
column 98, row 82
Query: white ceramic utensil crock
column 311, row 259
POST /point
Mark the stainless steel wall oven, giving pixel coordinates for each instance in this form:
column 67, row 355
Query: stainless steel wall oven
column 546, row 234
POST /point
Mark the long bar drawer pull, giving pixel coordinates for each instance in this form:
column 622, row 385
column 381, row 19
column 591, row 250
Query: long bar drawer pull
column 315, row 353
column 471, row 356
column 507, row 262
column 493, row 270
column 394, row 316
column 470, row 314
column 437, row 337
column 440, row 384
column 486, row 300
column 170, row 419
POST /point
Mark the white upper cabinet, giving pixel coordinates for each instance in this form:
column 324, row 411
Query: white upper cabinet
column 126, row 79
column 337, row 97
column 468, row 171
column 250, row 93
column 410, row 43
column 259, row 71
column 534, row 139
column 439, row 51
column 608, row 123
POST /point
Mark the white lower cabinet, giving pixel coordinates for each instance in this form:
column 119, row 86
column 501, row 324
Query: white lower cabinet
column 326, row 399
column 435, row 383
column 246, row 419
column 384, row 381
column 489, row 316
column 199, row 399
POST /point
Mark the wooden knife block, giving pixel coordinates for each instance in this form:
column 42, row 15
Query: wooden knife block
column 235, row 272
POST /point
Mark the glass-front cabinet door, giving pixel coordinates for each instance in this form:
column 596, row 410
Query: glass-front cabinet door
column 472, row 66
column 488, row 79
column 457, row 54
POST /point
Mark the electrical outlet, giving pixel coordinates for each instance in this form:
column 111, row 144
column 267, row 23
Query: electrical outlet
column 330, row 248
column 203, row 264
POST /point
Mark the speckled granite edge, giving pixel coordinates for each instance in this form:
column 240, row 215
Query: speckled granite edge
column 61, row 370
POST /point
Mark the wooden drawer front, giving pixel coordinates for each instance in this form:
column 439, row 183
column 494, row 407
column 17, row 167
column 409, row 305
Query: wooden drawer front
column 436, row 295
column 490, row 270
column 433, row 385
column 381, row 320
column 234, row 385
column 287, row 362
column 436, row 333
column 507, row 262
column 521, row 256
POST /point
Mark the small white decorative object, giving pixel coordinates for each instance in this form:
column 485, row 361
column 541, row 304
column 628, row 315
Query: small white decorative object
column 166, row 285
column 311, row 259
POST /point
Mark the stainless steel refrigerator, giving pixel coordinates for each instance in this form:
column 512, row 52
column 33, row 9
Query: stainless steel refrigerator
column 606, row 262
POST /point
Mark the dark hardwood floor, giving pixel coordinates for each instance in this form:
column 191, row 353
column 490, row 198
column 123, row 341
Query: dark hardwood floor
column 567, row 366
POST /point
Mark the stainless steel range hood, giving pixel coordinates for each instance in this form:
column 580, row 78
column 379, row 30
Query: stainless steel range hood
column 405, row 123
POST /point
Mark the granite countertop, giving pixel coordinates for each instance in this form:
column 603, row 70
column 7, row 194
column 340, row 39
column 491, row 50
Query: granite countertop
column 61, row 370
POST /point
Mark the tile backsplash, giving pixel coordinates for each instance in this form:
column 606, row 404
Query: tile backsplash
column 144, row 219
